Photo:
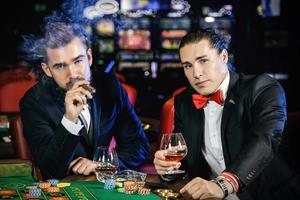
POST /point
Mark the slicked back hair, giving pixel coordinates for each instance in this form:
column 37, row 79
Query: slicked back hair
column 216, row 40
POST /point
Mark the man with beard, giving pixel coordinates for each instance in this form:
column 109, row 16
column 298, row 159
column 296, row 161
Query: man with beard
column 70, row 112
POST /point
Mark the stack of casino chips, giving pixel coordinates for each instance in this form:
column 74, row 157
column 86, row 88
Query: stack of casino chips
column 127, row 186
column 131, row 187
column 109, row 184
column 44, row 185
column 35, row 190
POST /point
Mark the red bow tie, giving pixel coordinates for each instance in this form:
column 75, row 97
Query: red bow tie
column 200, row 101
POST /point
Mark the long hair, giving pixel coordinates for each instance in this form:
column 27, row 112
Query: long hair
column 57, row 31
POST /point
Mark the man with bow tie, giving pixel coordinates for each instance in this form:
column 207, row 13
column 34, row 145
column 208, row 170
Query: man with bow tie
column 232, row 124
column 64, row 120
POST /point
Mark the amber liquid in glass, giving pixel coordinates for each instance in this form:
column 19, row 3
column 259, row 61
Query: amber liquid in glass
column 174, row 157
column 106, row 169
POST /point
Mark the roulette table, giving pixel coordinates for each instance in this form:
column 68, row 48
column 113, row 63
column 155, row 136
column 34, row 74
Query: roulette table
column 18, row 188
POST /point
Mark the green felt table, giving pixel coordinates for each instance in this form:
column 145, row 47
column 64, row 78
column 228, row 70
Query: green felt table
column 84, row 190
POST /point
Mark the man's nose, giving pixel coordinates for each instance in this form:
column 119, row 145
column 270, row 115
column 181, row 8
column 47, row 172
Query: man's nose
column 197, row 71
column 73, row 71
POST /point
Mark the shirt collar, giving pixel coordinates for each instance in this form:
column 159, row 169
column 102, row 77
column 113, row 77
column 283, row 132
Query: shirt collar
column 224, row 85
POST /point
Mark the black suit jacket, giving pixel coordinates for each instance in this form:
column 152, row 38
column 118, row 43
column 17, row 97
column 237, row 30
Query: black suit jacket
column 53, row 147
column 252, row 124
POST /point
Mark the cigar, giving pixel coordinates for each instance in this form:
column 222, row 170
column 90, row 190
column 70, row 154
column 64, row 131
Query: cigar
column 88, row 88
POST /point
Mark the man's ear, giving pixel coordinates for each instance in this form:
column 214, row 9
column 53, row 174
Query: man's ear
column 90, row 56
column 46, row 69
column 224, row 56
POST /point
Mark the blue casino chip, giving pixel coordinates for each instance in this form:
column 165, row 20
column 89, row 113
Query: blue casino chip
column 109, row 184
column 53, row 182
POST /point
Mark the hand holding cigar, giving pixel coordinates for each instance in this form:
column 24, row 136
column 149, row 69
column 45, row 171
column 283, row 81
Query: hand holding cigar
column 88, row 88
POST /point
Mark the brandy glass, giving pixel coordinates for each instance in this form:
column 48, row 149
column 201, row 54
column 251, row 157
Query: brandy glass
column 106, row 161
column 175, row 149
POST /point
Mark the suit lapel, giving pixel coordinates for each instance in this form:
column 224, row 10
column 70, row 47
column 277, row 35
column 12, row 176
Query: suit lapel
column 229, row 105
column 193, row 131
column 55, row 99
column 95, row 116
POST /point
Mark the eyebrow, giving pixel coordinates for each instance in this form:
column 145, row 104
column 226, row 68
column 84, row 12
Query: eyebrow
column 63, row 63
column 80, row 56
column 198, row 58
column 185, row 63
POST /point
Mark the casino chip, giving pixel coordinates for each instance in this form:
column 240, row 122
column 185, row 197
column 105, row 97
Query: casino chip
column 59, row 198
column 29, row 187
column 121, row 190
column 52, row 189
column 119, row 184
column 29, row 196
column 7, row 192
column 53, row 182
column 57, row 194
column 109, row 184
column 36, row 184
column 36, row 193
column 63, row 184
column 144, row 191
column 44, row 185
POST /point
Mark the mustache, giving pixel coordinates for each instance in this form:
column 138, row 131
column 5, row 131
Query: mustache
column 72, row 81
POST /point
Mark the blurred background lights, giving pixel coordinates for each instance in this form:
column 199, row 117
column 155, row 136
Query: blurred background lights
column 101, row 8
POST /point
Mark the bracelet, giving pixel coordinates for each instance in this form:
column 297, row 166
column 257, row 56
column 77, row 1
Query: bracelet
column 232, row 179
column 229, row 181
column 221, row 183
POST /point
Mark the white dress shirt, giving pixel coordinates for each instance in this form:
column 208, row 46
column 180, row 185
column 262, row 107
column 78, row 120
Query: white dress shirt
column 213, row 151
column 74, row 128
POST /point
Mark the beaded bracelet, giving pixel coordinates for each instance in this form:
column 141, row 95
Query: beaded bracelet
column 232, row 179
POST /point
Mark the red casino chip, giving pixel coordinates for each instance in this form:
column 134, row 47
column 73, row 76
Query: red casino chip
column 59, row 198
column 144, row 191
column 28, row 196
column 52, row 189
column 7, row 192
column 44, row 185
column 140, row 184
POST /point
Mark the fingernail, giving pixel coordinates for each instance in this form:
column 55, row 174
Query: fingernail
column 178, row 165
column 170, row 168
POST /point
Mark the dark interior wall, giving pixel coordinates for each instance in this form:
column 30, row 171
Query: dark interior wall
column 17, row 18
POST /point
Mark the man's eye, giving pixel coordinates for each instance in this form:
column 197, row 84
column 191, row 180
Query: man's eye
column 59, row 66
column 186, row 66
column 203, row 60
column 78, row 61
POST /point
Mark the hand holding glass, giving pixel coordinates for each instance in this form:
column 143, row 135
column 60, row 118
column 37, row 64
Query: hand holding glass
column 106, row 161
column 175, row 149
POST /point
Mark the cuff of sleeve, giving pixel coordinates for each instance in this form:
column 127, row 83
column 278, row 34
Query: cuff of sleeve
column 73, row 128
column 173, row 177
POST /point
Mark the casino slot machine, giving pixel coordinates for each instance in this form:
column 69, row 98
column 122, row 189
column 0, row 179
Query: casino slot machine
column 172, row 29
column 104, row 45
